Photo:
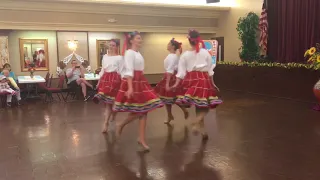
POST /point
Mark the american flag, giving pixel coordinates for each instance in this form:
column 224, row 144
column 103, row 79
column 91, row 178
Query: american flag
column 263, row 26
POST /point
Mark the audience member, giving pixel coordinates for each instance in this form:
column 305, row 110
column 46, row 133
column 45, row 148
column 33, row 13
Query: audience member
column 75, row 76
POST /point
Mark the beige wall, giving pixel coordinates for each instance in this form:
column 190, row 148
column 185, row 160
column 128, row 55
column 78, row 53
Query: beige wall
column 15, row 52
column 63, row 49
column 154, row 49
column 228, row 23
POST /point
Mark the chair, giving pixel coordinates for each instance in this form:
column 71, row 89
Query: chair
column 47, row 78
column 49, row 91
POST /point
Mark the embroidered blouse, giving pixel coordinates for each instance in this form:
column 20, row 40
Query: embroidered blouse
column 111, row 64
column 192, row 61
column 171, row 63
column 133, row 61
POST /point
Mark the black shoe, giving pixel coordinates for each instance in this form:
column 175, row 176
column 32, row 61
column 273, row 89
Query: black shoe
column 9, row 104
column 19, row 103
column 86, row 98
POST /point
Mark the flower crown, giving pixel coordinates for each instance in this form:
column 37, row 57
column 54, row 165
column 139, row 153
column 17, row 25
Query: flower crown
column 132, row 34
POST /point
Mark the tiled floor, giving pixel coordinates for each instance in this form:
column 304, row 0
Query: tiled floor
column 251, row 138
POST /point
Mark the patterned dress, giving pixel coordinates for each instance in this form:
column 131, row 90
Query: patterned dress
column 144, row 99
column 196, row 70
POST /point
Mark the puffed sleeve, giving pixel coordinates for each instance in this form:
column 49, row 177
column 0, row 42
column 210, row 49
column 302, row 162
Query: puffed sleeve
column 120, row 65
column 210, row 64
column 182, row 68
column 129, row 59
column 102, row 66
column 171, row 64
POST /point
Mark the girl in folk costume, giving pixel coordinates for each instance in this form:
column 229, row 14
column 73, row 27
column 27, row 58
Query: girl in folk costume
column 195, row 69
column 171, row 65
column 135, row 95
column 316, row 91
column 110, row 80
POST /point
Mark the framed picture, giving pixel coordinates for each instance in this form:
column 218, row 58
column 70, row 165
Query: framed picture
column 34, row 51
column 102, row 49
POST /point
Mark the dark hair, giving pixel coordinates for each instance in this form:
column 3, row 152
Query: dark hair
column 192, row 36
column 175, row 44
column 6, row 65
column 195, row 40
column 117, row 41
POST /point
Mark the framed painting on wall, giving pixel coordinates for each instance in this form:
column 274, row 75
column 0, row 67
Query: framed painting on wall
column 102, row 49
column 4, row 50
column 34, row 52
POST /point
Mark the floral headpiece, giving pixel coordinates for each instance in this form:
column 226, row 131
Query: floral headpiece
column 128, row 37
column 117, row 41
column 198, row 41
column 174, row 42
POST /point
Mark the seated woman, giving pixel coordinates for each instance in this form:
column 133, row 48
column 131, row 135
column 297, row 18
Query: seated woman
column 11, row 73
column 75, row 76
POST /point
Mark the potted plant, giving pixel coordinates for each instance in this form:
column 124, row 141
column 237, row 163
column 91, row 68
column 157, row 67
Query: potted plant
column 247, row 28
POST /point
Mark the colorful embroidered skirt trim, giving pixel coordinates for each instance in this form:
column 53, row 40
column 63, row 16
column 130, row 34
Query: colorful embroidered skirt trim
column 144, row 98
column 108, row 88
column 198, row 90
column 168, row 97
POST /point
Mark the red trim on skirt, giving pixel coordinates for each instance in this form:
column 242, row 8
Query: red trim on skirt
column 197, row 89
column 144, row 98
column 108, row 87
column 168, row 97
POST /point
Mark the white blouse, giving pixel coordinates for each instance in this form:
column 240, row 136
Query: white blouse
column 193, row 61
column 171, row 63
column 133, row 61
column 111, row 64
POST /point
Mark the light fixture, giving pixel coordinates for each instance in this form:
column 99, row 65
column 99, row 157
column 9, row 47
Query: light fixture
column 73, row 44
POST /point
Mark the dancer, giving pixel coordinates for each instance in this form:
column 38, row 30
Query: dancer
column 316, row 91
column 171, row 66
column 197, row 88
column 135, row 95
column 110, row 81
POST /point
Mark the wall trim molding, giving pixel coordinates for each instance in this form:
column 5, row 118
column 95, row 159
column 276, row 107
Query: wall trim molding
column 113, row 8
column 98, row 27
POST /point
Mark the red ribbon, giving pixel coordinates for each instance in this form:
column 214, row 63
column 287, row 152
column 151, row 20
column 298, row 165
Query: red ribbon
column 197, row 42
column 125, row 44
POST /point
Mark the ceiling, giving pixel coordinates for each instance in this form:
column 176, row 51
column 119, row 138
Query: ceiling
column 223, row 3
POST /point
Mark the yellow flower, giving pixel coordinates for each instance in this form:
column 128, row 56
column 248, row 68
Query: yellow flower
column 312, row 51
column 306, row 53
column 318, row 58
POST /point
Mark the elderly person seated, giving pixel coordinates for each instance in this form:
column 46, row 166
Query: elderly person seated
column 11, row 73
column 75, row 76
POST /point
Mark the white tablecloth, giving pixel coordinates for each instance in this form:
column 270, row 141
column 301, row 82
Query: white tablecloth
column 29, row 80
column 91, row 77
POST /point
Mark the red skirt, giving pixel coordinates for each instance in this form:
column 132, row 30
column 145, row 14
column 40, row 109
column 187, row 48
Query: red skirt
column 167, row 97
column 108, row 88
column 144, row 98
column 197, row 89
